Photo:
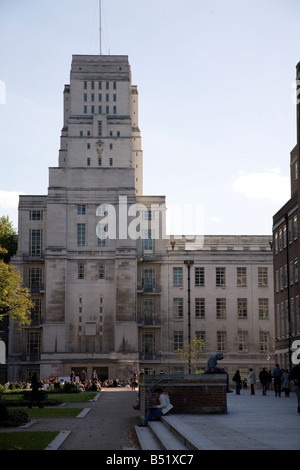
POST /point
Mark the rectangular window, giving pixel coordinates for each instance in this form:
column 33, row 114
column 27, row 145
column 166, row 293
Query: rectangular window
column 114, row 85
column 290, row 234
column 107, row 109
column 199, row 276
column 92, row 97
column 264, row 339
column 148, row 311
column 99, row 161
column 100, row 85
column 178, row 340
column 221, row 308
column 148, row 279
column 147, row 215
column 85, row 109
column 107, row 85
column 85, row 85
column 33, row 344
column 35, row 215
column 88, row 161
column 221, row 341
column 111, row 161
column 93, row 85
column 107, row 97
column 35, row 242
column 35, row 280
column 200, row 335
column 85, row 97
column 80, row 271
column 295, row 227
column 81, row 209
column 242, row 308
column 241, row 277
column 291, row 273
column 200, row 308
column 115, row 109
column 262, row 277
column 263, row 309
column 36, row 311
column 177, row 277
column 80, row 234
column 220, row 277
column 178, row 308
column 101, row 271
column 101, row 235
column 148, row 242
column 114, row 97
column 148, row 344
column 243, row 341
column 99, row 128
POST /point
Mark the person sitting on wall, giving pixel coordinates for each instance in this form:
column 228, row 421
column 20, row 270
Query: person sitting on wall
column 162, row 409
column 211, row 367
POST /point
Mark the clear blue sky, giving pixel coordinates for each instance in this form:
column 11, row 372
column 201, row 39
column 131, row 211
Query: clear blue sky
column 216, row 97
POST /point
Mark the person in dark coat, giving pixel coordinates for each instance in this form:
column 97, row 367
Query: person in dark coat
column 264, row 379
column 277, row 374
column 35, row 395
column 238, row 382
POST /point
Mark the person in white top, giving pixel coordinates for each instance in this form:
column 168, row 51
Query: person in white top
column 162, row 409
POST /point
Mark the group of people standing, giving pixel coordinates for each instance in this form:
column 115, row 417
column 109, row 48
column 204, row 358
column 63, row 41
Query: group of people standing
column 281, row 379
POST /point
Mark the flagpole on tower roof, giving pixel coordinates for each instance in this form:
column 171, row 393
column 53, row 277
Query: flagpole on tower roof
column 100, row 27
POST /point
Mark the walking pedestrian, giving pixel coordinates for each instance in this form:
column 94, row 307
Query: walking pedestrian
column 264, row 379
column 277, row 374
column 251, row 380
column 285, row 380
column 238, row 382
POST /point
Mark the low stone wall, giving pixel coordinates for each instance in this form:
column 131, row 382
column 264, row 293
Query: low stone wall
column 189, row 394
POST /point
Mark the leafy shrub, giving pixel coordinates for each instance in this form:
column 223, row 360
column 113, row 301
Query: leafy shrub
column 10, row 418
column 42, row 395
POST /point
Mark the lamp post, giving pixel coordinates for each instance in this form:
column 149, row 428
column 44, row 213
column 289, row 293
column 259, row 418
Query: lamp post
column 188, row 263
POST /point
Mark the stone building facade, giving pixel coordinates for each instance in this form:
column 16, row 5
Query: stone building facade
column 286, row 249
column 111, row 291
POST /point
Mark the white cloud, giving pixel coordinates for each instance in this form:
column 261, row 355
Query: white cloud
column 215, row 219
column 269, row 184
column 9, row 199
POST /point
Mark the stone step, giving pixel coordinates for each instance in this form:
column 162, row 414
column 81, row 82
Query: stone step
column 193, row 439
column 146, row 439
column 159, row 436
column 166, row 438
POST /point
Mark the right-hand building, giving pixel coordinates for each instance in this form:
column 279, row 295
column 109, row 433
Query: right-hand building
column 286, row 254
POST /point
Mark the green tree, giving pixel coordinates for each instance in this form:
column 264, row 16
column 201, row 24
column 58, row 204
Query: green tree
column 15, row 300
column 191, row 354
column 8, row 239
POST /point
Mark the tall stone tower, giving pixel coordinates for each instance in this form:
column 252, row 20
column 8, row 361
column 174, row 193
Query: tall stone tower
column 82, row 282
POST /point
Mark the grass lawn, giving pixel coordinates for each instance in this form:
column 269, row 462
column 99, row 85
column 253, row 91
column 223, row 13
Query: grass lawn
column 73, row 397
column 51, row 412
column 26, row 440
column 64, row 397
